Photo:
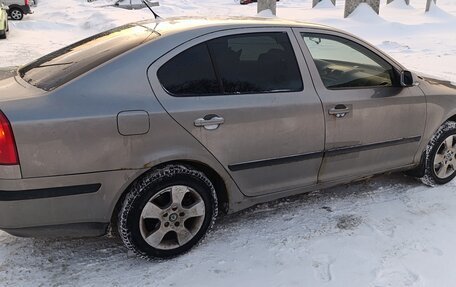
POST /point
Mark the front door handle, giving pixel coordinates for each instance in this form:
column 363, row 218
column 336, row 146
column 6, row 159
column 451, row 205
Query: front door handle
column 339, row 111
column 209, row 122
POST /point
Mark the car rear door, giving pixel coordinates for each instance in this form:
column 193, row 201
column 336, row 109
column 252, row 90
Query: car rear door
column 246, row 96
column 373, row 124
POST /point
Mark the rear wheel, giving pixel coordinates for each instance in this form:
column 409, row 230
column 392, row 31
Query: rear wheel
column 16, row 14
column 440, row 159
column 167, row 212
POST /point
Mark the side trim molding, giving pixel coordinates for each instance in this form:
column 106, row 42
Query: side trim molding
column 313, row 155
column 14, row 195
column 358, row 148
column 274, row 161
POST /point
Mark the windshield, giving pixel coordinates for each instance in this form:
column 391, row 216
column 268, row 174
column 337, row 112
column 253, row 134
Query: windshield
column 60, row 67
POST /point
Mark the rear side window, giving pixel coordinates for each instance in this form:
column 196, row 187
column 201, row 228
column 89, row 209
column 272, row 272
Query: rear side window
column 237, row 64
column 190, row 73
column 60, row 67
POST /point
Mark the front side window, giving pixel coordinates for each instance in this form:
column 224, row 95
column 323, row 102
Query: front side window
column 237, row 64
column 344, row 64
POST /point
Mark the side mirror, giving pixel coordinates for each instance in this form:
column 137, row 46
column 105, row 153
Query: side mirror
column 407, row 79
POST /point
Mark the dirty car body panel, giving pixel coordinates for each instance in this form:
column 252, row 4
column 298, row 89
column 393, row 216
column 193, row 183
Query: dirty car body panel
column 83, row 141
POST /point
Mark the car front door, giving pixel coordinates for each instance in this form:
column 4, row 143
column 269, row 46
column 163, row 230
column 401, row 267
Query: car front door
column 373, row 124
column 247, row 97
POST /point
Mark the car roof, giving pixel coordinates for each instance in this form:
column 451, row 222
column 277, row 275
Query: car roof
column 193, row 26
column 181, row 24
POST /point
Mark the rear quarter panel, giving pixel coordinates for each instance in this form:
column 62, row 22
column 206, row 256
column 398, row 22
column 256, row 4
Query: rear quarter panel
column 73, row 130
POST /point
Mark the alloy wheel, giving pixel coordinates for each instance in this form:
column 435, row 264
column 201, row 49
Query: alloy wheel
column 445, row 158
column 172, row 217
column 16, row 15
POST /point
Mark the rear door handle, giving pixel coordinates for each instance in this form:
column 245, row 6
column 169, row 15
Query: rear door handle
column 339, row 111
column 209, row 122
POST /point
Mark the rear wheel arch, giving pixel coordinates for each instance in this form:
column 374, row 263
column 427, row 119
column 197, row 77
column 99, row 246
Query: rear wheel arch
column 15, row 6
column 214, row 177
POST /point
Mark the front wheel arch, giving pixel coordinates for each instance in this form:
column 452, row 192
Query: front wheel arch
column 426, row 171
column 450, row 119
column 420, row 170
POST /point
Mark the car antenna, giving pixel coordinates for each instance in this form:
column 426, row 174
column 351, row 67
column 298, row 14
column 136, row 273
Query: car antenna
column 148, row 6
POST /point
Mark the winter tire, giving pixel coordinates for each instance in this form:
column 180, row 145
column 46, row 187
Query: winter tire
column 440, row 156
column 167, row 212
column 16, row 14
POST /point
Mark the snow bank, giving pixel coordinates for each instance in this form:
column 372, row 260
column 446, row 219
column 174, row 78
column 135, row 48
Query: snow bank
column 266, row 14
column 364, row 13
column 58, row 23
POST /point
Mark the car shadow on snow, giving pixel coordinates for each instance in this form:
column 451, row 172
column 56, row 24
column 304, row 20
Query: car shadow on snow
column 52, row 259
column 386, row 187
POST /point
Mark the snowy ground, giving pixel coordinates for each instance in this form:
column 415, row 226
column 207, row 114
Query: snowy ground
column 388, row 231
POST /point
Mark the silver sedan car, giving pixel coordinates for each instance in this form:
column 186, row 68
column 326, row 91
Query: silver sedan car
column 155, row 127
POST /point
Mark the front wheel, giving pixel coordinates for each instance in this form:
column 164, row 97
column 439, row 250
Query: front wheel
column 167, row 212
column 440, row 159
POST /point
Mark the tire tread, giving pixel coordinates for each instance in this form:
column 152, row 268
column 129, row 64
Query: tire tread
column 428, row 178
column 136, row 191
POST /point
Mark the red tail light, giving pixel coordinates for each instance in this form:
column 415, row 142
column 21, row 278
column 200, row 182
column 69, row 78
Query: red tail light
column 8, row 151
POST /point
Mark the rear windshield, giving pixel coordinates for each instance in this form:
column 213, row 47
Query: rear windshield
column 60, row 67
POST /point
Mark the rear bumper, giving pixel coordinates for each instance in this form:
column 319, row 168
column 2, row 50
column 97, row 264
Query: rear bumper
column 62, row 206
column 74, row 230
column 48, row 193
